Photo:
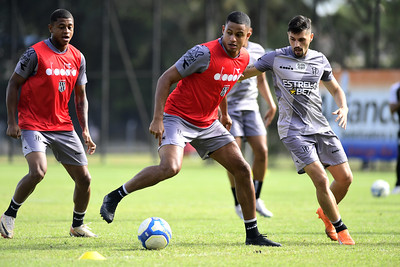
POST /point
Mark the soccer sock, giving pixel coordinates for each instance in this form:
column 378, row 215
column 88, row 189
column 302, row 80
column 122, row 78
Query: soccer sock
column 77, row 219
column 234, row 195
column 339, row 225
column 251, row 228
column 257, row 187
column 118, row 193
column 13, row 208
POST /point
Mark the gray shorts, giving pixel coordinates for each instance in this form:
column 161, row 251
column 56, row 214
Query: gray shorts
column 179, row 132
column 247, row 123
column 66, row 145
column 306, row 149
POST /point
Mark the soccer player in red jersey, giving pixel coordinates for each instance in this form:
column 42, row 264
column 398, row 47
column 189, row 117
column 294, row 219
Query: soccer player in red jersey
column 205, row 74
column 47, row 73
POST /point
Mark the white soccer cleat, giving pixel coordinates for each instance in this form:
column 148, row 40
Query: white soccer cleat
column 81, row 231
column 238, row 210
column 396, row 190
column 7, row 226
column 260, row 207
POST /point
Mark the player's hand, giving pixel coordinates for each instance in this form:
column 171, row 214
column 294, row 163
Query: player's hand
column 226, row 121
column 13, row 131
column 89, row 143
column 341, row 116
column 157, row 129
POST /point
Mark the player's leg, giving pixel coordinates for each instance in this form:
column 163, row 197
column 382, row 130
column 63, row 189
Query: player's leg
column 343, row 177
column 34, row 150
column 171, row 157
column 260, row 164
column 327, row 202
column 81, row 197
column 396, row 189
column 238, row 209
column 230, row 157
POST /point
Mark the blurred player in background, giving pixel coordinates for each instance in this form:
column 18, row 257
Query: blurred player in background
column 47, row 73
column 394, row 102
column 248, row 125
column 205, row 74
column 306, row 133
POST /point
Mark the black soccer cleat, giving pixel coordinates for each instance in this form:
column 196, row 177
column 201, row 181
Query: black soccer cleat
column 107, row 209
column 262, row 240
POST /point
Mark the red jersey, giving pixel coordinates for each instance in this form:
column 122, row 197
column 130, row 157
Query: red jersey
column 197, row 96
column 43, row 103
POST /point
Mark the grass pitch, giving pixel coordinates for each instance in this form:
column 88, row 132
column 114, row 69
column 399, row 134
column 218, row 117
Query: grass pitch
column 198, row 205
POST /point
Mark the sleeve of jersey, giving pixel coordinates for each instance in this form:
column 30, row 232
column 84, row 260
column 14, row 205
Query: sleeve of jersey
column 327, row 75
column 82, row 78
column 27, row 63
column 265, row 62
column 195, row 60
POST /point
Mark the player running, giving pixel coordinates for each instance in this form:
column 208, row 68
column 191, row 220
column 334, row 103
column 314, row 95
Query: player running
column 297, row 71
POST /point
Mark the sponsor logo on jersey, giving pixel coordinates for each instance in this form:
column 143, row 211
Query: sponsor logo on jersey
column 221, row 76
column 286, row 67
column 299, row 87
column 66, row 70
column 191, row 56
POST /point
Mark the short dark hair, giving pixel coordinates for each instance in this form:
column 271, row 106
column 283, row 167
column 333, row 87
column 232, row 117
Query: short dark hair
column 299, row 23
column 60, row 14
column 239, row 18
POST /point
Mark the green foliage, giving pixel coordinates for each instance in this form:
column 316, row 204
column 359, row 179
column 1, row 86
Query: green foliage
column 198, row 205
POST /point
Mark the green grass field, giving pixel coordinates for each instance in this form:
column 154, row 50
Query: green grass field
column 198, row 205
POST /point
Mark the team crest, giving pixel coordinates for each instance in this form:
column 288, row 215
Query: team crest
column 61, row 86
column 224, row 90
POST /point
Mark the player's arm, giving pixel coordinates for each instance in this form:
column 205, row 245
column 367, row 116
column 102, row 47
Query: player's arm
column 82, row 107
column 250, row 71
column 340, row 99
column 164, row 83
column 15, row 82
column 263, row 88
column 224, row 117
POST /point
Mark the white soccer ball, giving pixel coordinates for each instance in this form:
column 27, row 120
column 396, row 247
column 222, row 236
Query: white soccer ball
column 380, row 188
column 154, row 233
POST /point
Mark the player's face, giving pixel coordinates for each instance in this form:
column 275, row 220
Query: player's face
column 234, row 37
column 300, row 42
column 61, row 32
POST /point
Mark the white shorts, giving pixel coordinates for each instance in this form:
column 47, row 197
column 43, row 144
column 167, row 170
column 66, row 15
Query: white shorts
column 178, row 131
column 66, row 145
column 306, row 149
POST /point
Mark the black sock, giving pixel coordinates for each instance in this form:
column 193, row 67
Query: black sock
column 251, row 229
column 118, row 194
column 77, row 219
column 339, row 226
column 257, row 187
column 12, row 209
column 234, row 195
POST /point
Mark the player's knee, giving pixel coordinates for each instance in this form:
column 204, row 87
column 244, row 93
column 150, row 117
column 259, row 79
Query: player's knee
column 242, row 171
column 37, row 174
column 170, row 170
column 84, row 180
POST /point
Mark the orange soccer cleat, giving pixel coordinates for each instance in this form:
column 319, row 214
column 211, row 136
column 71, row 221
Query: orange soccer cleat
column 345, row 238
column 329, row 228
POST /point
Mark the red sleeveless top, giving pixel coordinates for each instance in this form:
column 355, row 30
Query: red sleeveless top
column 43, row 103
column 197, row 96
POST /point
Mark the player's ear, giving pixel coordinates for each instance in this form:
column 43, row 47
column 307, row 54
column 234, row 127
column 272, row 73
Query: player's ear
column 50, row 26
column 250, row 32
column 223, row 28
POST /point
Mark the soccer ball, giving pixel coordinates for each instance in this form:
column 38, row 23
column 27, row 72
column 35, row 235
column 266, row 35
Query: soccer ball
column 154, row 233
column 380, row 188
